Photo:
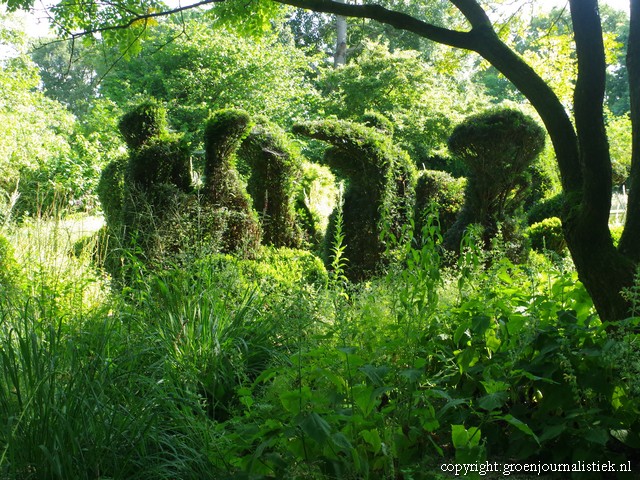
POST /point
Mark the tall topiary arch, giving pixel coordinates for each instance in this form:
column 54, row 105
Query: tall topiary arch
column 380, row 189
column 276, row 169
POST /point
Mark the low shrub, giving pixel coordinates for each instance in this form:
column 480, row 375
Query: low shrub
column 548, row 235
column 550, row 207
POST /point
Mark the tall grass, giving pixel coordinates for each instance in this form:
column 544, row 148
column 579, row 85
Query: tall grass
column 84, row 387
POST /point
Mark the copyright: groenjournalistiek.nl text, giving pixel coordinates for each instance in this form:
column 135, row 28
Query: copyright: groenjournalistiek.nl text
column 539, row 468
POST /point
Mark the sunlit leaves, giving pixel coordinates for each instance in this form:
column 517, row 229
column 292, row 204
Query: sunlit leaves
column 252, row 17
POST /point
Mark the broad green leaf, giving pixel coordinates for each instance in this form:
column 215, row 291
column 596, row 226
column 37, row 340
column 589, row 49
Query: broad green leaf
column 372, row 437
column 316, row 427
column 520, row 425
column 492, row 401
column 363, row 398
column 375, row 374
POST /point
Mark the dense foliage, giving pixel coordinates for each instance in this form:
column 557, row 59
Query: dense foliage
column 272, row 319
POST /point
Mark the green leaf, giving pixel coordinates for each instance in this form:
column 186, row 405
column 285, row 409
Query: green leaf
column 363, row 398
column 341, row 441
column 480, row 324
column 460, row 332
column 316, row 427
column 520, row 425
column 597, row 435
column 463, row 438
column 375, row 374
column 552, row 431
column 412, row 374
column 372, row 437
column 495, row 386
column 492, row 401
column 292, row 401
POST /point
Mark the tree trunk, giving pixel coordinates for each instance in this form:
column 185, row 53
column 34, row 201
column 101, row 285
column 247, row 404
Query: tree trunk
column 340, row 57
column 630, row 241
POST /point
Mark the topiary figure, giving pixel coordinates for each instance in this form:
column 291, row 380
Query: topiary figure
column 146, row 121
column 497, row 147
column 223, row 190
column 378, row 121
column 380, row 190
column 437, row 188
column 276, row 169
column 161, row 160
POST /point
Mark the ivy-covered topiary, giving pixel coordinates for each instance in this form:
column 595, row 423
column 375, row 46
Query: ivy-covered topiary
column 380, row 190
column 146, row 121
column 223, row 190
column 161, row 160
column 439, row 189
column 276, row 169
column 497, row 147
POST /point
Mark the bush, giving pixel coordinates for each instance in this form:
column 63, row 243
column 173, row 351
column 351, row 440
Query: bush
column 276, row 170
column 380, row 190
column 547, row 235
column 497, row 147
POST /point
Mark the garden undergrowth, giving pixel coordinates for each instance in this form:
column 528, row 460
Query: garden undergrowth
column 273, row 368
